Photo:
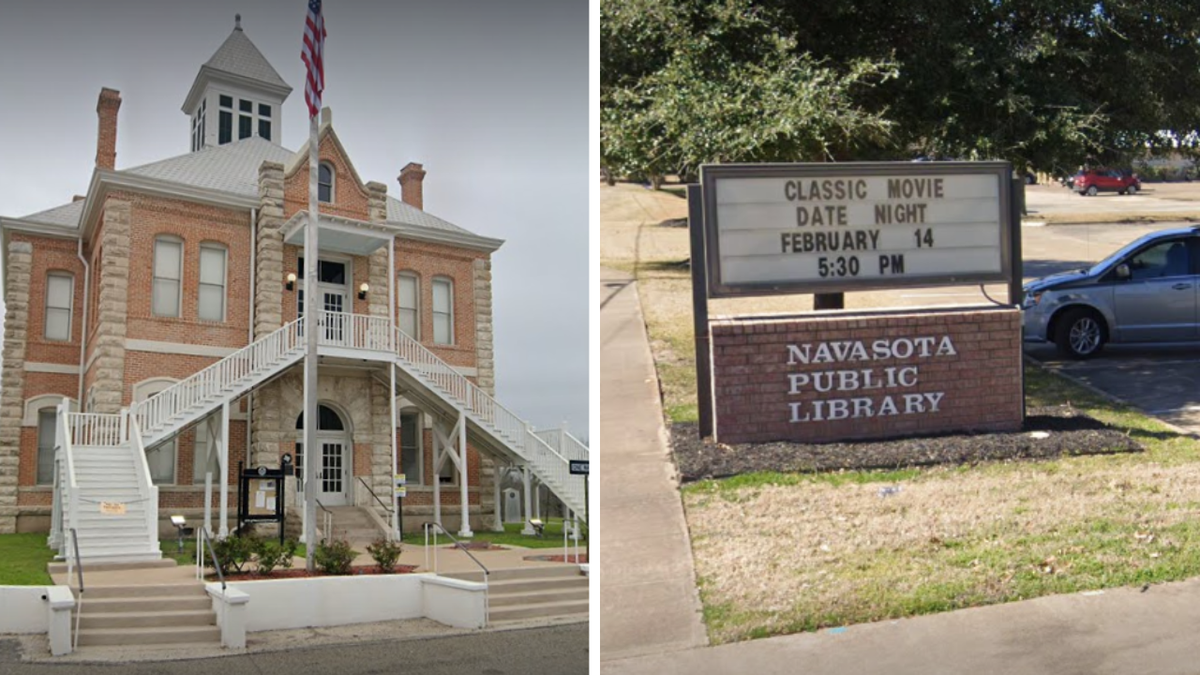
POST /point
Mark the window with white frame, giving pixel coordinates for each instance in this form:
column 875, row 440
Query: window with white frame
column 168, row 270
column 411, row 448
column 325, row 183
column 60, row 291
column 408, row 292
column 47, row 417
column 212, row 282
column 443, row 311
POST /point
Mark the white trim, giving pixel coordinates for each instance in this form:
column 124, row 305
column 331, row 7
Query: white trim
column 155, row 347
column 41, row 402
column 60, row 368
column 166, row 238
column 70, row 277
column 433, row 310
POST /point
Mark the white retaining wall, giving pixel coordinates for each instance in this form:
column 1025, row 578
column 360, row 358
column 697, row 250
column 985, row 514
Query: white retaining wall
column 335, row 601
column 23, row 609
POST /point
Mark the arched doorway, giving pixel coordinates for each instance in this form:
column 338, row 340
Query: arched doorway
column 333, row 471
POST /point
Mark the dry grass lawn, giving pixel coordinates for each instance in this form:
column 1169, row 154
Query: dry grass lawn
column 778, row 553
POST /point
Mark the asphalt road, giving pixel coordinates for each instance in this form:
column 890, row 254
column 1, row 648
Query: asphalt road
column 554, row 650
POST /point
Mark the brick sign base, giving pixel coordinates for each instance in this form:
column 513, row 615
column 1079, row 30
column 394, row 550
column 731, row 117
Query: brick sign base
column 846, row 376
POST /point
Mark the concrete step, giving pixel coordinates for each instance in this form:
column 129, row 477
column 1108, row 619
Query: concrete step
column 184, row 590
column 61, row 567
column 147, row 636
column 548, row 595
column 538, row 610
column 511, row 586
column 139, row 605
column 541, row 572
column 100, row 620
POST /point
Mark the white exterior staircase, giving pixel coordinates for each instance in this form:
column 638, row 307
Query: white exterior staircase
column 102, row 456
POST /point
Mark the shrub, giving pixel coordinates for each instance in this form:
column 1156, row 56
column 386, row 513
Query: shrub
column 233, row 552
column 271, row 554
column 385, row 553
column 334, row 557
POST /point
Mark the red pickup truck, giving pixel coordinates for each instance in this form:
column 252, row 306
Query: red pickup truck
column 1093, row 181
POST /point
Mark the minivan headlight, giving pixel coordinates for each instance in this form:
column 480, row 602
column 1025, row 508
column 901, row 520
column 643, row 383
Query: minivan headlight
column 1032, row 299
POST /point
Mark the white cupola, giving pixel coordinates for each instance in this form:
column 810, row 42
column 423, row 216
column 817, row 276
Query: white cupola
column 236, row 95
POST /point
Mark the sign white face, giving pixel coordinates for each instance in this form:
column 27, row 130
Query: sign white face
column 887, row 228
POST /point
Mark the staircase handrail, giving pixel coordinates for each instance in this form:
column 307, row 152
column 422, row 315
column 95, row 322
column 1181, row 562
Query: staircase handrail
column 79, row 571
column 155, row 410
column 435, row 526
column 71, row 517
column 149, row 489
column 565, row 444
column 386, row 508
column 201, row 540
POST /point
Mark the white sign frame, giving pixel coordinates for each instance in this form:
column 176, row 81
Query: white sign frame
column 719, row 285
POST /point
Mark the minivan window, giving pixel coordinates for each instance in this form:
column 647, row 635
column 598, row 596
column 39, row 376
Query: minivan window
column 1168, row 259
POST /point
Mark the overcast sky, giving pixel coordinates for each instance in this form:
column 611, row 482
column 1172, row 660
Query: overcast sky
column 492, row 97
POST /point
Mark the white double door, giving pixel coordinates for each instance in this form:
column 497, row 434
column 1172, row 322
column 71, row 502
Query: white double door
column 332, row 285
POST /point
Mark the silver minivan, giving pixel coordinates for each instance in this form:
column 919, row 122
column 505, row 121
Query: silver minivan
column 1148, row 291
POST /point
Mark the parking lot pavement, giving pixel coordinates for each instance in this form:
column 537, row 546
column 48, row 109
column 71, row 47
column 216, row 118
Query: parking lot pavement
column 1162, row 380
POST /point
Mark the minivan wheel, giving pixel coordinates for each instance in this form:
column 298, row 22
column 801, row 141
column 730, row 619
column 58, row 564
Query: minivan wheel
column 1092, row 190
column 1080, row 333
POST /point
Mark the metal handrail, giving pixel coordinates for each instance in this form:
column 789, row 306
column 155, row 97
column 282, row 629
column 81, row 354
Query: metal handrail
column 386, row 508
column 438, row 526
column 326, row 520
column 201, row 539
column 78, row 571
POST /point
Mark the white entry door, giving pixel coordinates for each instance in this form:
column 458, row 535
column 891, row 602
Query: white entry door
column 333, row 475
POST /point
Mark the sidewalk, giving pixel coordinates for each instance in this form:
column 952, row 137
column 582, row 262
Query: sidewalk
column 648, row 598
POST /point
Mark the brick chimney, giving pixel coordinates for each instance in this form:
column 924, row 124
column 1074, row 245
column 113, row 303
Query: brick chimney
column 106, row 142
column 411, row 177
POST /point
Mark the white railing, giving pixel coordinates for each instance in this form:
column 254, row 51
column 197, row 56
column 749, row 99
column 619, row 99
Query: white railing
column 147, row 487
column 563, row 442
column 71, row 485
column 355, row 331
column 220, row 379
column 551, row 467
column 94, row 429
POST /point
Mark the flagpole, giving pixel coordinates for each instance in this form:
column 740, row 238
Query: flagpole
column 312, row 305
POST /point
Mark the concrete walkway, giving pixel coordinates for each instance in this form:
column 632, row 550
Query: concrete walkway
column 1117, row 631
column 648, row 599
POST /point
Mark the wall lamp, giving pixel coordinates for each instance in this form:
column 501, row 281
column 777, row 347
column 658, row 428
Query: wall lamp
column 291, row 281
column 362, row 291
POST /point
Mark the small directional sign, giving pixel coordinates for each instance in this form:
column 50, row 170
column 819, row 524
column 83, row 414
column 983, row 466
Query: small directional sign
column 579, row 467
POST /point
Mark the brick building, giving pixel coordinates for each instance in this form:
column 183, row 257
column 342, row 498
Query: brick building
column 152, row 341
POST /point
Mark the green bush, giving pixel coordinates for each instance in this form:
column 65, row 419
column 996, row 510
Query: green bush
column 334, row 557
column 385, row 553
column 270, row 554
column 233, row 552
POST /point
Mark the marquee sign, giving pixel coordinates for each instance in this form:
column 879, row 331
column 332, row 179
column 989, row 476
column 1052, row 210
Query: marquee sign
column 813, row 228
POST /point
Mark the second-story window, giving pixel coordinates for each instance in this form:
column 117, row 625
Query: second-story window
column 443, row 311
column 168, row 267
column 60, row 290
column 212, row 282
column 408, row 316
column 325, row 183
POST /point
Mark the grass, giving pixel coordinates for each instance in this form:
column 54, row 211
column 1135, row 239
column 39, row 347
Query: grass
column 511, row 536
column 782, row 553
column 23, row 559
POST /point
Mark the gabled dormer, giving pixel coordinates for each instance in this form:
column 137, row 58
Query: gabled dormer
column 237, row 94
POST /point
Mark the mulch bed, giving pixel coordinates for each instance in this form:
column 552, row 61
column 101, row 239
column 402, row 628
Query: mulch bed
column 1071, row 432
column 559, row 558
column 301, row 573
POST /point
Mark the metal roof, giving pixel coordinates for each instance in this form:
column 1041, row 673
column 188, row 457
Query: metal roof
column 66, row 215
column 238, row 56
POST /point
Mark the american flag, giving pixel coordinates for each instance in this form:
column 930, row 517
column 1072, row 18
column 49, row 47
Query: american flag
column 313, row 56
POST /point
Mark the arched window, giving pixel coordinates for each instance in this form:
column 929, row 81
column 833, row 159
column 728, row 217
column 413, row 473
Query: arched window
column 443, row 311
column 408, row 294
column 168, row 271
column 60, row 292
column 325, row 183
column 211, row 301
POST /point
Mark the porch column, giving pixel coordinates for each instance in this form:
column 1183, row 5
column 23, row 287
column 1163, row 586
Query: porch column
column 498, row 521
column 208, row 476
column 223, row 460
column 437, row 478
column 526, row 514
column 465, row 530
column 537, row 498
column 396, row 533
